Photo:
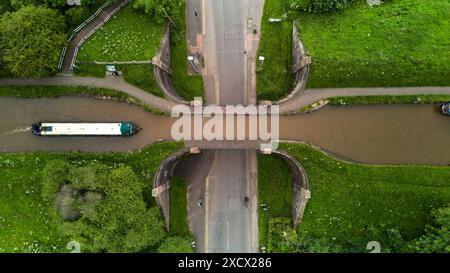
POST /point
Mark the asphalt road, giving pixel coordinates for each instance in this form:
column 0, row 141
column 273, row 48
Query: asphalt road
column 224, row 51
column 230, row 225
column 228, row 218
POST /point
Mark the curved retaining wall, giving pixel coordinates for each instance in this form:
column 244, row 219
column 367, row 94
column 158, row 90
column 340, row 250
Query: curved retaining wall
column 300, row 66
column 162, row 69
column 161, row 182
column 300, row 186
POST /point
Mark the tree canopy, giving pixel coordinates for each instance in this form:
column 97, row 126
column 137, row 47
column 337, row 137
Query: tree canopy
column 161, row 9
column 31, row 39
column 103, row 208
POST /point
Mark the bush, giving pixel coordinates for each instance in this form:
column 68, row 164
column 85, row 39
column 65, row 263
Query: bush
column 31, row 40
column 176, row 244
column 436, row 239
column 320, row 6
column 103, row 209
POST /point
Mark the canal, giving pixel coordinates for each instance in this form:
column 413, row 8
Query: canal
column 378, row 134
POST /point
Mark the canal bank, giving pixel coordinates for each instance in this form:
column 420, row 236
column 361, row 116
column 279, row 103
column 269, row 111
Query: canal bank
column 375, row 134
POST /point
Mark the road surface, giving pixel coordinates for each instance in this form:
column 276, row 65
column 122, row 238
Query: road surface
column 230, row 225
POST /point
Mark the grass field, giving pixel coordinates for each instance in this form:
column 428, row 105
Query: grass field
column 418, row 99
column 400, row 43
column 186, row 86
column 129, row 35
column 139, row 75
column 178, row 218
column 274, row 180
column 353, row 204
column 274, row 80
column 27, row 222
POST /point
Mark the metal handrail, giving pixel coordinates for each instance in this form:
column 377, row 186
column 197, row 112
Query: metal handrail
column 77, row 29
column 94, row 30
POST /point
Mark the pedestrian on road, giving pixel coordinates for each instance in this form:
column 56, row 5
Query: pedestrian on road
column 196, row 13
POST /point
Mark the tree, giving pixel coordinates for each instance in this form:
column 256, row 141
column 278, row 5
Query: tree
column 104, row 208
column 437, row 237
column 31, row 40
column 176, row 244
column 161, row 10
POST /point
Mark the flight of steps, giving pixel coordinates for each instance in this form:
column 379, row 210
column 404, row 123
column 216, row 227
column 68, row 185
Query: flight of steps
column 84, row 32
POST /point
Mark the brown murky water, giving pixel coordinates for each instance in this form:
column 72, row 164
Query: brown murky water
column 381, row 134
column 17, row 115
column 384, row 134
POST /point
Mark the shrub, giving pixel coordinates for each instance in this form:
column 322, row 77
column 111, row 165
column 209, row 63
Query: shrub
column 176, row 244
column 31, row 40
column 320, row 6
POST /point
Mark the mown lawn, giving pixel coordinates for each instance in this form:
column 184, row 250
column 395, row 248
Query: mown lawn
column 178, row 219
column 400, row 43
column 129, row 35
column 187, row 86
column 352, row 204
column 139, row 75
column 28, row 223
column 274, row 79
column 274, row 190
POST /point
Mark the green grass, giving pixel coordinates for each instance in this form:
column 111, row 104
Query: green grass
column 129, row 35
column 422, row 99
column 352, row 204
column 274, row 80
column 188, row 87
column 178, row 218
column 28, row 223
column 139, row 75
column 59, row 91
column 274, row 181
column 400, row 43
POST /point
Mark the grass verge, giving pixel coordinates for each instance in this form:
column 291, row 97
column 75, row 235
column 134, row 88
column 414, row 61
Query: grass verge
column 274, row 181
column 139, row 75
column 178, row 218
column 129, row 35
column 274, row 79
column 352, row 204
column 419, row 99
column 187, row 86
column 28, row 222
column 29, row 92
column 400, row 43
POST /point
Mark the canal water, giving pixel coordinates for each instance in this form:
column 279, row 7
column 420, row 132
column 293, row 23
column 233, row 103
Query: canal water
column 379, row 134
column 17, row 115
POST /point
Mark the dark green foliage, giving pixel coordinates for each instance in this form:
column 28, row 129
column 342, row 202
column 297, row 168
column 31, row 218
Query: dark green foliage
column 161, row 10
column 176, row 244
column 31, row 40
column 437, row 237
column 284, row 239
column 321, row 6
column 106, row 209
